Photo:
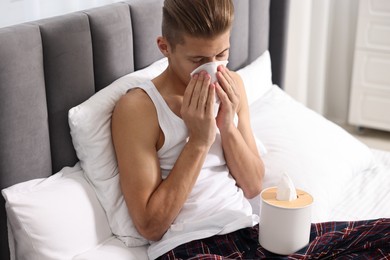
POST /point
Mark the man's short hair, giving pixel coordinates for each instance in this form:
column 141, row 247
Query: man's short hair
column 195, row 18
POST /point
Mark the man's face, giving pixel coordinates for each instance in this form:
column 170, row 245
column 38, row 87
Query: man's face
column 196, row 51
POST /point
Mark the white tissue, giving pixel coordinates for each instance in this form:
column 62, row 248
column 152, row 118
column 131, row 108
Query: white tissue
column 211, row 68
column 286, row 189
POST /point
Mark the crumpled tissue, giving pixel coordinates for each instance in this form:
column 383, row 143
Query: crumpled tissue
column 211, row 68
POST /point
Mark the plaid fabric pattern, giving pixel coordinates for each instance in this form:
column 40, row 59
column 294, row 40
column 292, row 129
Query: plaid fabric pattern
column 368, row 239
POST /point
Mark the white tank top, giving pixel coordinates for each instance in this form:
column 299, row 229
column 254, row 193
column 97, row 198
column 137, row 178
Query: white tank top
column 215, row 205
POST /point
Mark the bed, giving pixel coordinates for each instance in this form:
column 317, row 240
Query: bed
column 59, row 80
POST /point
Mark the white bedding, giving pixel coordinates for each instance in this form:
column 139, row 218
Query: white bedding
column 319, row 156
column 114, row 249
column 366, row 196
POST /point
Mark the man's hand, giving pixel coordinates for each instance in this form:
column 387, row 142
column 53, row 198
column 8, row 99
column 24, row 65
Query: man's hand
column 197, row 110
column 230, row 98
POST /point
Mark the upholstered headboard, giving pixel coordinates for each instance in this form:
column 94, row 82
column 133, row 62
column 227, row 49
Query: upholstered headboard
column 51, row 65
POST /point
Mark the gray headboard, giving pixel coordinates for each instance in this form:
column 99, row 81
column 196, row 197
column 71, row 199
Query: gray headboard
column 51, row 65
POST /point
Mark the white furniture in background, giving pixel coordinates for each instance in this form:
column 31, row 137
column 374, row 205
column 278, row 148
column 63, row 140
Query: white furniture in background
column 370, row 90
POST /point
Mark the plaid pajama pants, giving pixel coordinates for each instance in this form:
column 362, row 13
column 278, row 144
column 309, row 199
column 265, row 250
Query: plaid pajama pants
column 368, row 239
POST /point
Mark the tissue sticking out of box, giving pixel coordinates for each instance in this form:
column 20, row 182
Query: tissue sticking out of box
column 286, row 190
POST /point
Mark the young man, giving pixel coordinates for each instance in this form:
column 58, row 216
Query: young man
column 186, row 174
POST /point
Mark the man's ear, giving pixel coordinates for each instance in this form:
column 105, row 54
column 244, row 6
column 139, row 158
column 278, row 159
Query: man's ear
column 163, row 45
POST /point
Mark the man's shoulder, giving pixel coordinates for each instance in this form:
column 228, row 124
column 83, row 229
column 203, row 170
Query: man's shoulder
column 135, row 102
column 135, row 95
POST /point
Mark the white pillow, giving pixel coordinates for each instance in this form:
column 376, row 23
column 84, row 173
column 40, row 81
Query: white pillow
column 55, row 218
column 319, row 156
column 257, row 77
column 90, row 125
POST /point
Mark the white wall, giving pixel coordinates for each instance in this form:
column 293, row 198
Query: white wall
column 321, row 40
column 18, row 11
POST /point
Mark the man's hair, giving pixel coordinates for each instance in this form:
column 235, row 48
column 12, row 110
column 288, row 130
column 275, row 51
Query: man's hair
column 196, row 18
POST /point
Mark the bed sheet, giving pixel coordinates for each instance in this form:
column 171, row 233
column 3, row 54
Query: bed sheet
column 113, row 248
column 367, row 196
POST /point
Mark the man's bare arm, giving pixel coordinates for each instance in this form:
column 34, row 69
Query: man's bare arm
column 154, row 203
column 238, row 142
